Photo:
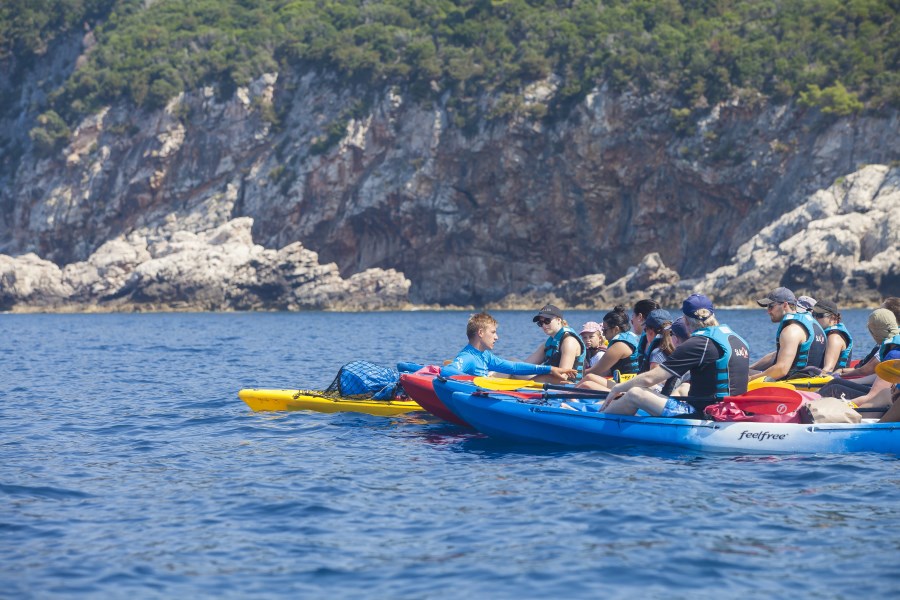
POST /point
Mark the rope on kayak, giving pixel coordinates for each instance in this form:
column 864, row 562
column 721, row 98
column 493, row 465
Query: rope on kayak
column 360, row 380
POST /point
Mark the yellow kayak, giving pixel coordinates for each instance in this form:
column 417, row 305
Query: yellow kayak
column 263, row 400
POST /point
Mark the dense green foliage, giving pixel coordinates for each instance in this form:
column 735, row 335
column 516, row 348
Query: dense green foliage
column 841, row 55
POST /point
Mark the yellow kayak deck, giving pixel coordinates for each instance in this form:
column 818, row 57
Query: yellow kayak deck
column 272, row 399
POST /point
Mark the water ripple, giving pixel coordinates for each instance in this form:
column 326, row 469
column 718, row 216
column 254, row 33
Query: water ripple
column 136, row 471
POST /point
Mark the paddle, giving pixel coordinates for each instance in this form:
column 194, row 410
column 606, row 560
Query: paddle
column 574, row 395
column 762, row 383
column 889, row 370
column 500, row 383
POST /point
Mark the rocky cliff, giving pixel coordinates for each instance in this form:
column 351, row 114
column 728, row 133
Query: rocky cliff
column 232, row 202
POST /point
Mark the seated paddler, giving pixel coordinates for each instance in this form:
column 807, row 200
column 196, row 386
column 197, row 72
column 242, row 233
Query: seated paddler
column 478, row 359
column 799, row 340
column 717, row 358
column 563, row 347
column 622, row 354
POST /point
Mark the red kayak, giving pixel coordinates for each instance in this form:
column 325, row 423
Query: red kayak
column 418, row 386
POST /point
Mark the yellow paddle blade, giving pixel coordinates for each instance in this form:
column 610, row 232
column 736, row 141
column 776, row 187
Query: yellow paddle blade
column 500, row 383
column 760, row 383
column 889, row 370
column 626, row 376
column 809, row 383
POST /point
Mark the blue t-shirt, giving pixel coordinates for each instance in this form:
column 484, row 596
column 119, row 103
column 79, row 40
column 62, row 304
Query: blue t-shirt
column 470, row 361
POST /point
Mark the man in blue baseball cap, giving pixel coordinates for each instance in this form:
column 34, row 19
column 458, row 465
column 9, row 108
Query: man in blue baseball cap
column 717, row 358
column 799, row 341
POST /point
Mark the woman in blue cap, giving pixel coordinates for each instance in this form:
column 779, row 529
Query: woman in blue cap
column 658, row 327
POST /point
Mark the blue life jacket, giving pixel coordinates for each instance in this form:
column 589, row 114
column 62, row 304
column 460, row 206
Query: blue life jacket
column 811, row 352
column 642, row 342
column 846, row 353
column 629, row 364
column 648, row 353
column 887, row 346
column 553, row 352
column 733, row 368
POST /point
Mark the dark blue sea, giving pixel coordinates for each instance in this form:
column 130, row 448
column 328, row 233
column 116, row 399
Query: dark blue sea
column 129, row 468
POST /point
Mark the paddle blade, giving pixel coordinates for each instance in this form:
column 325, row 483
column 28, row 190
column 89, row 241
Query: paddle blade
column 768, row 401
column 762, row 383
column 889, row 370
column 500, row 383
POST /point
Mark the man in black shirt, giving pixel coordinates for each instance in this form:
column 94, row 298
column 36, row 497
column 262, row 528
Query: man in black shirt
column 717, row 358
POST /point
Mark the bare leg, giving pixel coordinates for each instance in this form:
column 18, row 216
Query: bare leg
column 892, row 415
column 594, row 382
column 635, row 398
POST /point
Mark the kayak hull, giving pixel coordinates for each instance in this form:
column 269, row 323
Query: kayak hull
column 526, row 420
column 420, row 387
column 286, row 400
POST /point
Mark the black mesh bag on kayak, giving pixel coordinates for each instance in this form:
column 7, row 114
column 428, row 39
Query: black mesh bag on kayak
column 362, row 379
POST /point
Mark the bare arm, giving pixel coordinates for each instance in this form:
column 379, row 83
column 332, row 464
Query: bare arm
column 616, row 352
column 834, row 345
column 764, row 363
column 866, row 369
column 568, row 352
column 789, row 343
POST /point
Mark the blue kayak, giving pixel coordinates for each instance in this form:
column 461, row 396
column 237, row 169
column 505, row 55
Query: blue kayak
column 532, row 419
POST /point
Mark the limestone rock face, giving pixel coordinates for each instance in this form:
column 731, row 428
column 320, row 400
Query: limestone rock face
column 469, row 213
column 841, row 243
column 217, row 269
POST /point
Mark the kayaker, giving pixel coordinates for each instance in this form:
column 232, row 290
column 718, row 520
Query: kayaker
column 563, row 348
column 717, row 358
column 658, row 329
column 838, row 341
column 890, row 372
column 678, row 386
column 883, row 328
column 799, row 341
column 893, row 305
column 592, row 336
column 806, row 303
column 881, row 324
column 478, row 359
column 621, row 354
column 639, row 313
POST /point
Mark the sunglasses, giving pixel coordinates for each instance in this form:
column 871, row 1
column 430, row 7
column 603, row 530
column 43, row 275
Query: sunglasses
column 542, row 321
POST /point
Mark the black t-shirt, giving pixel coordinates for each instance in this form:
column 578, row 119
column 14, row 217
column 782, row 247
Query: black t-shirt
column 698, row 355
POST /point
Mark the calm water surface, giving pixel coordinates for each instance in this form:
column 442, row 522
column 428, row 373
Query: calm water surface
column 129, row 468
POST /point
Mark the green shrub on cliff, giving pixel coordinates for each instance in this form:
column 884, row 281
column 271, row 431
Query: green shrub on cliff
column 833, row 100
column 696, row 52
column 51, row 133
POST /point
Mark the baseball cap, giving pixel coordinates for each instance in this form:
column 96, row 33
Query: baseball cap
column 697, row 306
column 826, row 307
column 777, row 296
column 680, row 329
column 656, row 318
column 548, row 312
column 591, row 327
column 806, row 302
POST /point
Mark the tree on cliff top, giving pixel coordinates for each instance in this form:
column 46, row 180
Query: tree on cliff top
column 697, row 52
